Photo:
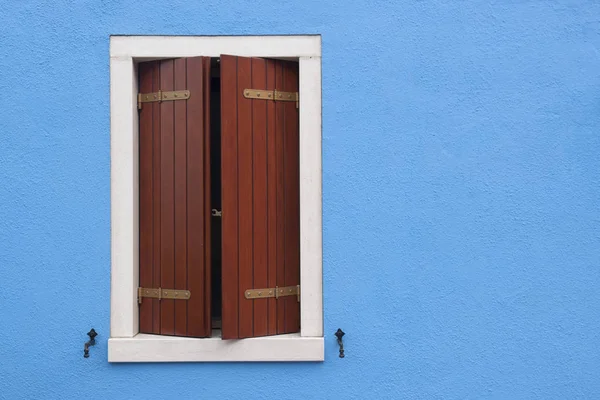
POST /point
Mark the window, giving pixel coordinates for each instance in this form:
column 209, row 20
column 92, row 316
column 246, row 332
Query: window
column 182, row 253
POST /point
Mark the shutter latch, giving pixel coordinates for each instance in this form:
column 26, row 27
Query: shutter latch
column 161, row 293
column 276, row 292
column 275, row 95
column 162, row 96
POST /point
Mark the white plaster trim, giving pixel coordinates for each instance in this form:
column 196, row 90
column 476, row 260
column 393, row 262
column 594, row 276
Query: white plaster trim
column 155, row 348
column 311, row 226
column 124, row 182
column 126, row 344
column 213, row 46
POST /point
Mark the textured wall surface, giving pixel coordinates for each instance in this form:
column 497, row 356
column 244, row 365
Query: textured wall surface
column 461, row 199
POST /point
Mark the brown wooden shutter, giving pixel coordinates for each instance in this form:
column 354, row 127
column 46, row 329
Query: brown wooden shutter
column 174, row 195
column 260, row 197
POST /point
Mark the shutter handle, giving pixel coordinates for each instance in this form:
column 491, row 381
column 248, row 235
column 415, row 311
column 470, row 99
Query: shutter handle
column 340, row 334
column 86, row 347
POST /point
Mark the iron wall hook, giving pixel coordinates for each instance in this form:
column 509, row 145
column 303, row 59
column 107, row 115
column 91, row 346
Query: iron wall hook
column 340, row 334
column 86, row 347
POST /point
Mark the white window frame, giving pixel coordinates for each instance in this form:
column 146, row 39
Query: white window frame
column 126, row 344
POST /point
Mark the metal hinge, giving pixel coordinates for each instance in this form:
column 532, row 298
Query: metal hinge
column 161, row 293
column 275, row 95
column 162, row 96
column 276, row 292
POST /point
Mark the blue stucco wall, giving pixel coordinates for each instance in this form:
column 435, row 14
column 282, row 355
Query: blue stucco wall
column 461, row 199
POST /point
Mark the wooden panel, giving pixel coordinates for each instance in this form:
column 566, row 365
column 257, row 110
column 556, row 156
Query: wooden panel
column 260, row 194
column 149, row 197
column 174, row 211
column 229, row 196
column 292, row 197
column 156, row 193
column 146, row 73
column 280, row 233
column 167, row 200
column 271, row 200
column 180, row 195
column 198, row 189
column 245, row 209
column 206, row 240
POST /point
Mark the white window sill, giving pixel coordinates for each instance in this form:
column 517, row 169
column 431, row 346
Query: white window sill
column 155, row 348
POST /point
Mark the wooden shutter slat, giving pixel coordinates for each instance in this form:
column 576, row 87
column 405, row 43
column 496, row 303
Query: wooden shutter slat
column 180, row 193
column 271, row 199
column 174, row 188
column 292, row 197
column 260, row 193
column 280, row 128
column 206, row 162
column 259, row 198
column 198, row 197
column 167, row 200
column 156, row 193
column 245, row 244
column 229, row 196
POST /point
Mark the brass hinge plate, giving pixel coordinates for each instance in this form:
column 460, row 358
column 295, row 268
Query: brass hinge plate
column 275, row 95
column 162, row 96
column 276, row 292
column 161, row 293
